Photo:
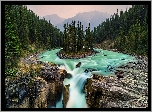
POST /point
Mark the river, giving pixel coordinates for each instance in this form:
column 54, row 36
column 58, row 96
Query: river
column 102, row 63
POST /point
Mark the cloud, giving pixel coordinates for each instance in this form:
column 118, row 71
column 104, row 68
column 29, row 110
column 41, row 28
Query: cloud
column 68, row 11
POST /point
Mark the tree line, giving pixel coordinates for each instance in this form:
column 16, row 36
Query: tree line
column 75, row 39
column 128, row 30
column 24, row 28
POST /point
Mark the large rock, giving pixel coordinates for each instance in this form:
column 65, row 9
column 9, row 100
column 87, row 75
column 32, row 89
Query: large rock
column 65, row 95
column 42, row 97
column 39, row 88
column 32, row 94
column 128, row 89
column 22, row 92
column 109, row 92
column 78, row 65
column 64, row 74
column 50, row 73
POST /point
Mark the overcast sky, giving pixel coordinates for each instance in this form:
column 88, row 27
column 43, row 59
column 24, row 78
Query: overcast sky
column 68, row 11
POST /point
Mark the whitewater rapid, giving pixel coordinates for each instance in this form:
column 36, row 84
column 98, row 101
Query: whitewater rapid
column 103, row 63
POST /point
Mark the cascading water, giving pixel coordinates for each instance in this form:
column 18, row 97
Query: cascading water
column 103, row 63
column 76, row 96
column 79, row 81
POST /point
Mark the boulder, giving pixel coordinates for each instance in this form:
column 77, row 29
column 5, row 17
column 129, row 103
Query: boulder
column 68, row 75
column 64, row 74
column 62, row 71
column 109, row 92
column 119, row 74
column 50, row 73
column 78, row 65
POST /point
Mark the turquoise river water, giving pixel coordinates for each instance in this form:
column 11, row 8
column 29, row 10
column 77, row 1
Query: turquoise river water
column 102, row 63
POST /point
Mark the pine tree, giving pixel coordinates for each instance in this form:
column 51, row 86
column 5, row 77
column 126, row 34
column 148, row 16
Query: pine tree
column 12, row 43
column 128, row 31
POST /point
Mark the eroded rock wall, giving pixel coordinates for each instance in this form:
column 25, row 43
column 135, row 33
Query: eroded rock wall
column 129, row 91
column 65, row 95
column 39, row 89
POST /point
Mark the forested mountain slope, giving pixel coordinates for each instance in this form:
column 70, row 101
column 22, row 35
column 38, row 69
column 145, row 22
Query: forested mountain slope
column 24, row 31
column 127, row 30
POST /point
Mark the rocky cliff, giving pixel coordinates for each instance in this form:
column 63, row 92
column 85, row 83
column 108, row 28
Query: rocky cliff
column 36, row 85
column 128, row 91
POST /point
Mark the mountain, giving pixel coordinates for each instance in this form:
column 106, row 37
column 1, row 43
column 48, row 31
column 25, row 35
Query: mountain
column 54, row 19
column 94, row 18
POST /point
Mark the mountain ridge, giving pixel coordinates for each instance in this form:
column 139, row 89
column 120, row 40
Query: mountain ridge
column 54, row 19
column 93, row 17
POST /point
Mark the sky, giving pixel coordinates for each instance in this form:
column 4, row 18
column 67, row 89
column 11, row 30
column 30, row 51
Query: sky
column 68, row 11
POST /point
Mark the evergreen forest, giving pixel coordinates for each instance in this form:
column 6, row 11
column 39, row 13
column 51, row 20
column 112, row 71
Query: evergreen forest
column 26, row 33
column 128, row 31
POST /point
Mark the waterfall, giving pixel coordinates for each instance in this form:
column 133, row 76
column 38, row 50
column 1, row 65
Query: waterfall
column 76, row 96
column 98, row 64
column 79, row 81
column 69, row 65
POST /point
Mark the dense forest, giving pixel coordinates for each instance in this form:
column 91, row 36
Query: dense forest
column 127, row 30
column 26, row 33
column 74, row 38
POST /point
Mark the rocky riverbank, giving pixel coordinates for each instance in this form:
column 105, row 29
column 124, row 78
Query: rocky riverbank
column 40, row 85
column 36, row 85
column 128, row 91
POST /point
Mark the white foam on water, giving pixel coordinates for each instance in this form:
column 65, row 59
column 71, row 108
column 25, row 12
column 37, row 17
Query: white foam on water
column 100, row 61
